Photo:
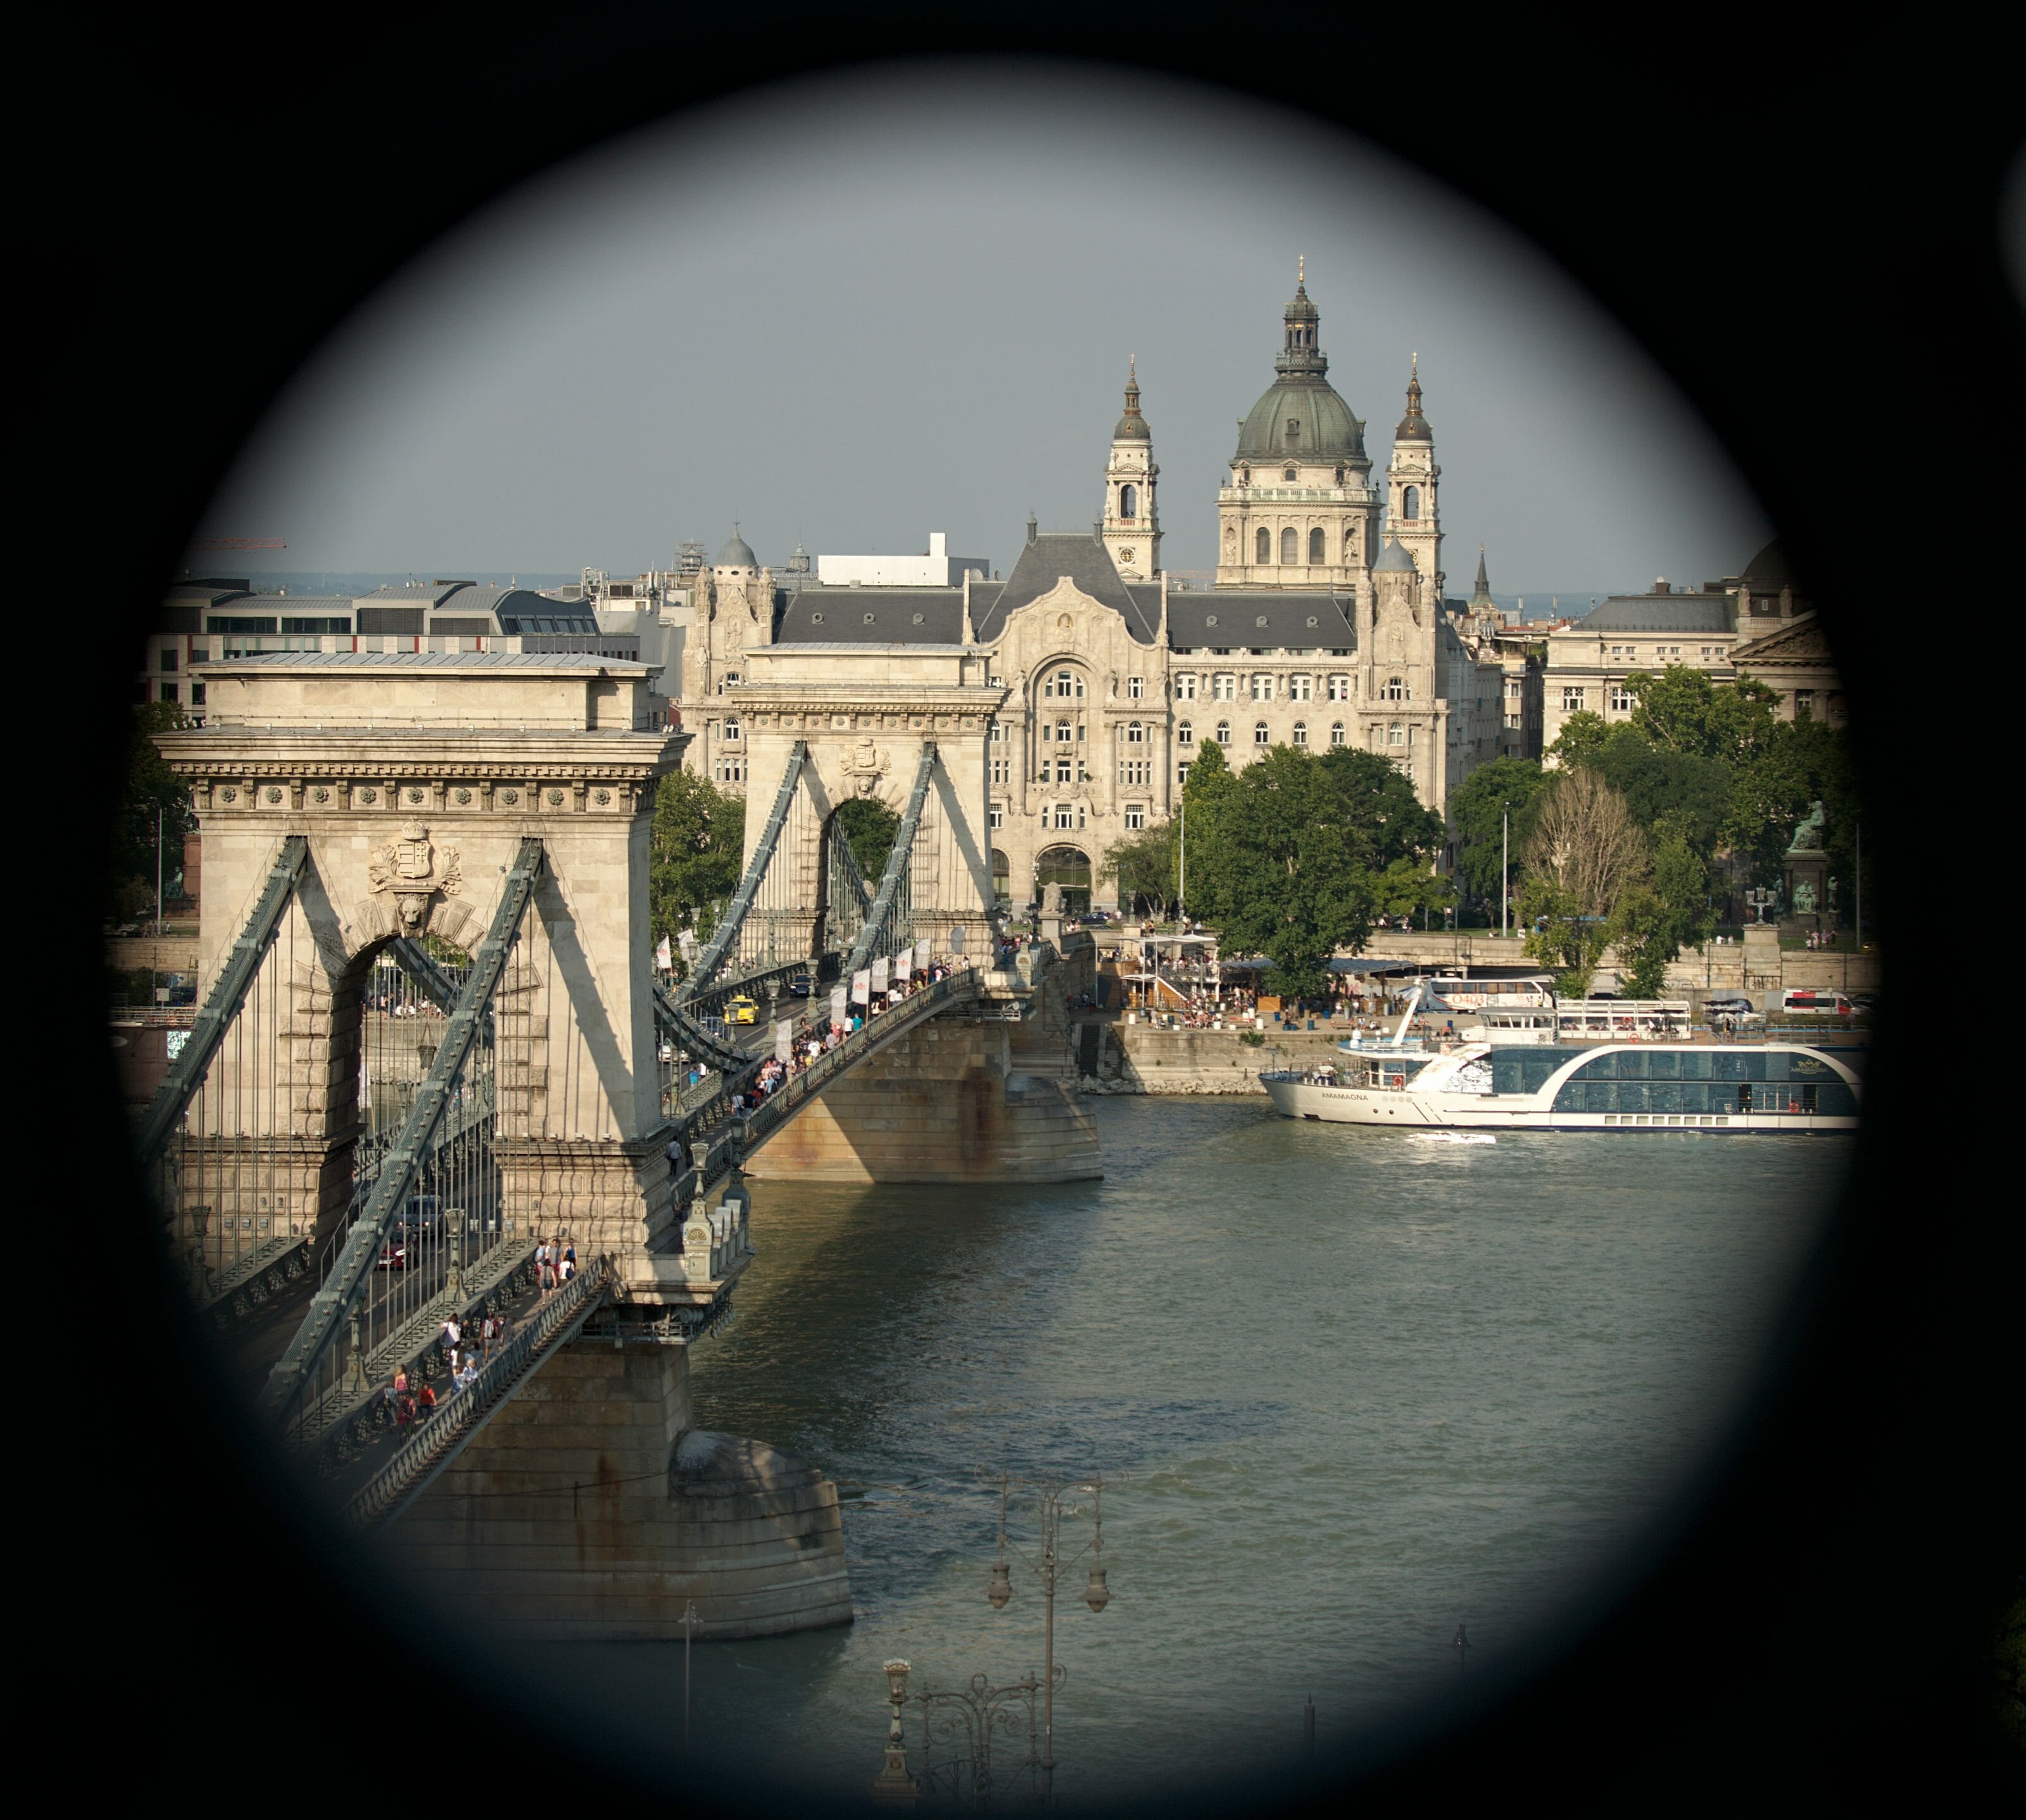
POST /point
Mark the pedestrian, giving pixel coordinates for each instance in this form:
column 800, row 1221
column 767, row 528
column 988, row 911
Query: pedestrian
column 453, row 1333
column 427, row 1401
column 569, row 1269
column 569, row 1254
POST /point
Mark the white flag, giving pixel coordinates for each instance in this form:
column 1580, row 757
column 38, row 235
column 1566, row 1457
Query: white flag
column 784, row 1039
column 904, row 963
column 837, row 998
column 662, row 959
column 861, row 987
column 879, row 974
column 956, row 938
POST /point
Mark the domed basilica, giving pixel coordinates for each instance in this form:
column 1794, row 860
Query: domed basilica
column 1325, row 625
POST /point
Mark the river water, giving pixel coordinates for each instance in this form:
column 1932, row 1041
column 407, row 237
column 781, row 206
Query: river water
column 1361, row 1389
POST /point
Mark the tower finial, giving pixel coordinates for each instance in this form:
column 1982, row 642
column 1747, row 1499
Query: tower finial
column 1301, row 268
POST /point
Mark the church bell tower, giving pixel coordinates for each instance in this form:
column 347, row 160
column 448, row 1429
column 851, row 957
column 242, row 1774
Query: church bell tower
column 1411, row 515
column 1132, row 525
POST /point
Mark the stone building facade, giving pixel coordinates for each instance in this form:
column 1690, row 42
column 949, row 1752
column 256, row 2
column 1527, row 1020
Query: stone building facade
column 1755, row 624
column 1326, row 627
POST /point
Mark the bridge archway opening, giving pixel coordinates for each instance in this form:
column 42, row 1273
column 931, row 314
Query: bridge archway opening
column 1070, row 867
column 1002, row 879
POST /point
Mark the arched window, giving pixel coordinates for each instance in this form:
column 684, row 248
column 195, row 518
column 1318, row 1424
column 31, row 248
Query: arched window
column 1316, row 551
column 1062, row 731
column 1396, row 734
column 1336, row 733
column 731, row 729
column 1260, row 735
column 730, row 680
column 1410, row 503
column 1128, row 500
column 1301, row 732
column 1263, row 545
column 1290, row 545
column 1136, row 734
column 1396, row 690
column 1223, row 732
column 1185, row 734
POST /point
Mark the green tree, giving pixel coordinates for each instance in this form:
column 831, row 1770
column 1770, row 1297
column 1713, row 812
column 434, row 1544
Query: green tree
column 693, row 848
column 1561, row 934
column 1642, row 930
column 1577, row 743
column 150, row 791
column 1479, row 810
column 1408, row 887
column 1209, row 789
column 1292, row 877
column 1658, row 781
column 1143, row 866
column 1379, row 800
column 869, row 827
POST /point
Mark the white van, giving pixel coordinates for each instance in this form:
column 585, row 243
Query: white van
column 1821, row 1003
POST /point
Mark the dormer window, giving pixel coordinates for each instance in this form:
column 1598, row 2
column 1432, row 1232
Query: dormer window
column 1294, row 429
column 1289, row 474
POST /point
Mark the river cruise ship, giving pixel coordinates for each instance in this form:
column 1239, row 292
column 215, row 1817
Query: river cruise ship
column 1581, row 1020
column 1607, row 1086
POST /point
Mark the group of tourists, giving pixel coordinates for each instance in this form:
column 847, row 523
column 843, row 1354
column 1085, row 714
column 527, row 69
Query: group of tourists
column 555, row 1264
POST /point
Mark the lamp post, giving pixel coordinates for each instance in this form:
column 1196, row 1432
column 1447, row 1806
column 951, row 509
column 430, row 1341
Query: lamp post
column 1504, row 867
column 690, row 1621
column 1049, row 1566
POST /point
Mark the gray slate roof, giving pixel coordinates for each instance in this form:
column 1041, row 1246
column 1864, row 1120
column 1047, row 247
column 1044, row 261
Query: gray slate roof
column 816, row 615
column 1660, row 612
column 1271, row 618
column 1045, row 560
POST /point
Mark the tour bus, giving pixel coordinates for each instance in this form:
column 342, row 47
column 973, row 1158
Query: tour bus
column 1808, row 999
column 1534, row 991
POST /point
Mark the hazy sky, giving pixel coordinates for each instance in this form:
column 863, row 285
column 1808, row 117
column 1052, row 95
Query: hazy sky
column 858, row 309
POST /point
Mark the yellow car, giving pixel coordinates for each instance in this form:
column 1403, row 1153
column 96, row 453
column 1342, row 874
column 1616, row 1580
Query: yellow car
column 741, row 1010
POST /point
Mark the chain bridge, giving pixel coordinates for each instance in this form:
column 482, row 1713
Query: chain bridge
column 431, row 1039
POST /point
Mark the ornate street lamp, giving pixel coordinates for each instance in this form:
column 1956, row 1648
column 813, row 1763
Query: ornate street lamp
column 1049, row 1566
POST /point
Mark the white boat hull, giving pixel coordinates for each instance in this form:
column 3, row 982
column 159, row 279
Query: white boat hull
column 1406, row 1109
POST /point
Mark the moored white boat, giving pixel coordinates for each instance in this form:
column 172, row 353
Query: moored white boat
column 1705, row 1087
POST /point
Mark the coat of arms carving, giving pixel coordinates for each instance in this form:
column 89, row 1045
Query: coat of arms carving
column 864, row 764
column 413, row 870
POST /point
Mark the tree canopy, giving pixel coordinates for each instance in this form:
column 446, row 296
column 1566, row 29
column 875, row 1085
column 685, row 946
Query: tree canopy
column 1480, row 809
column 150, row 788
column 1142, row 864
column 869, row 827
column 695, row 845
column 1294, row 855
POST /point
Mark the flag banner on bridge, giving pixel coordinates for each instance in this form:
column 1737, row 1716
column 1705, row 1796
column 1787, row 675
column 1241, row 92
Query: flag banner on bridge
column 662, row 958
column 956, row 938
column 861, row 986
column 879, row 974
column 784, row 1039
column 904, row 963
column 837, row 998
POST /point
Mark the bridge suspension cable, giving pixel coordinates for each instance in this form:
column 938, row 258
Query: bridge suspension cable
column 221, row 1006
column 891, row 911
column 308, row 1373
column 725, row 938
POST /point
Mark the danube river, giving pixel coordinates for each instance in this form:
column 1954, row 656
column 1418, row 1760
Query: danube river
column 1362, row 1389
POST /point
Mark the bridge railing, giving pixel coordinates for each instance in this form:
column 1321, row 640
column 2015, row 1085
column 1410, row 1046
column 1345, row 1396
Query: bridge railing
column 699, row 1137
column 436, row 1441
